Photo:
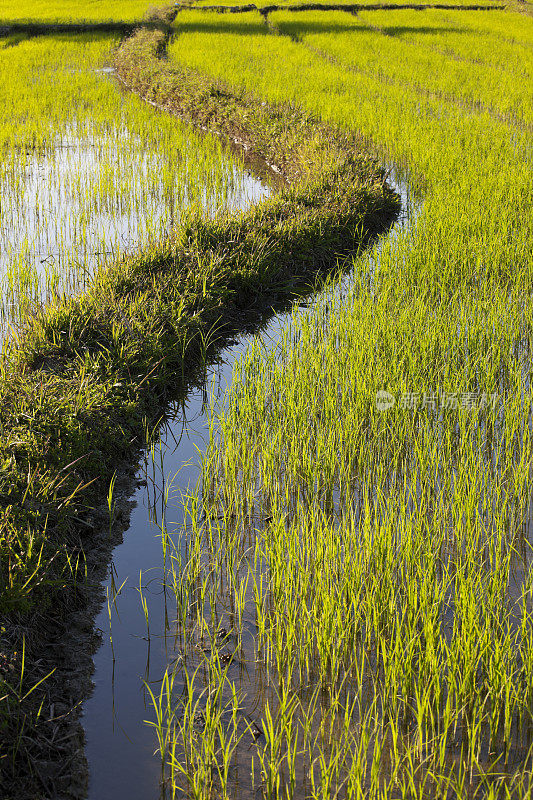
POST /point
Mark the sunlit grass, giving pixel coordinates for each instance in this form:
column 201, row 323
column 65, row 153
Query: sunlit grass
column 433, row 70
column 353, row 585
column 83, row 183
column 69, row 10
column 466, row 35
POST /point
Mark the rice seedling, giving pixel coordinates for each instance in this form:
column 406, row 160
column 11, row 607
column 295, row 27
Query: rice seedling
column 82, row 375
column 85, row 185
column 65, row 11
column 360, row 536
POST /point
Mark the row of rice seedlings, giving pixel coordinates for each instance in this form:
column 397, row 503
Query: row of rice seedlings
column 415, row 627
column 64, row 11
column 289, row 3
column 462, row 36
column 506, row 26
column 353, row 585
column 84, row 183
column 308, row 591
column 418, row 67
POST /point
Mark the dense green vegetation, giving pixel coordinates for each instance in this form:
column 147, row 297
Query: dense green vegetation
column 353, row 585
column 354, row 582
column 82, row 374
column 71, row 10
column 83, row 184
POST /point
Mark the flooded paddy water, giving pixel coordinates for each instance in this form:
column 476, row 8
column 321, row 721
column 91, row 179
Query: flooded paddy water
column 83, row 184
column 69, row 210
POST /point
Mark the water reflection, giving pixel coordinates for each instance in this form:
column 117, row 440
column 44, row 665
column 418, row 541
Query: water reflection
column 139, row 632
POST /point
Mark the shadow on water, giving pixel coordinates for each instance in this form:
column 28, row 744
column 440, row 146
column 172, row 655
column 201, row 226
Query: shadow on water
column 119, row 746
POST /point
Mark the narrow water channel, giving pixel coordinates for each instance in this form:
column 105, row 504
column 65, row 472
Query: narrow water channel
column 120, row 746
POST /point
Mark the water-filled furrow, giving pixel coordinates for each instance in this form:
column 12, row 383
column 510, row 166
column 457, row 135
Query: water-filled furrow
column 137, row 621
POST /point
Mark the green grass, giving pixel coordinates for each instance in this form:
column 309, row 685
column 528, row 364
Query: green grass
column 68, row 11
column 81, row 377
column 86, row 183
column 353, row 585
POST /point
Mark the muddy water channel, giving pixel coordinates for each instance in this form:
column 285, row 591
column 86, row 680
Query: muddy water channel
column 138, row 620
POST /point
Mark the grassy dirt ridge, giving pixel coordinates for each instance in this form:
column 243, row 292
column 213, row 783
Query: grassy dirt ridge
column 80, row 381
column 31, row 28
column 349, row 8
column 153, row 19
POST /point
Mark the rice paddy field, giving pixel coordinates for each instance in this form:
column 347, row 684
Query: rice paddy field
column 358, row 549
column 339, row 601
column 64, row 11
column 83, row 183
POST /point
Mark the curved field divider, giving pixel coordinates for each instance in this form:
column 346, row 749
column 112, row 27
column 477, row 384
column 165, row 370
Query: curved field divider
column 79, row 383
